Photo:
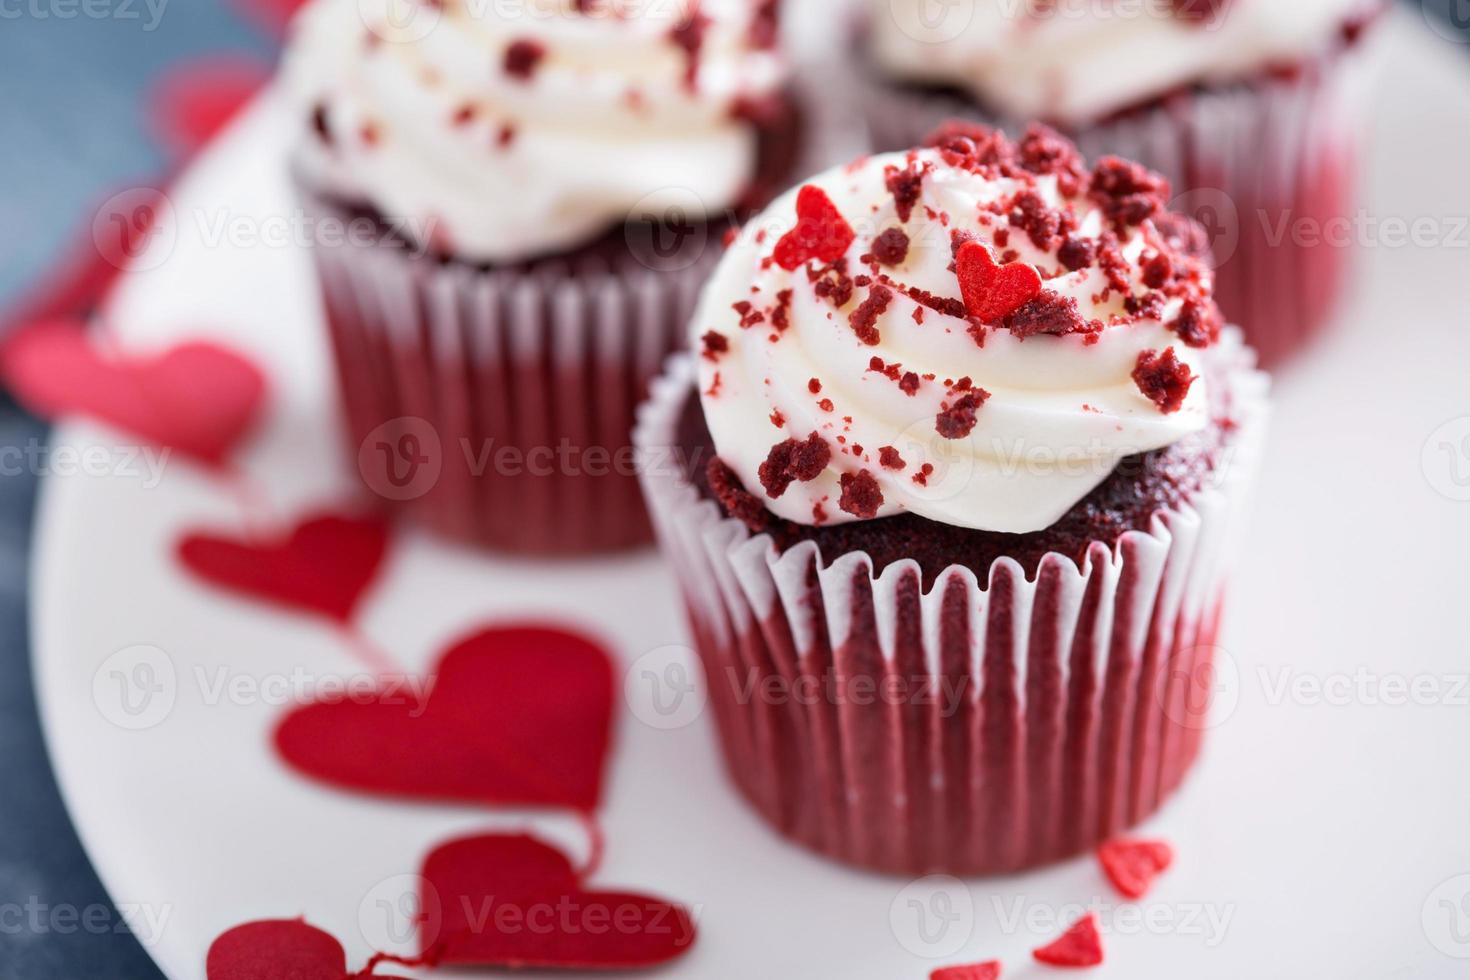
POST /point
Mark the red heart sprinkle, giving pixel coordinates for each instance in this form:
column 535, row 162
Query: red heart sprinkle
column 198, row 398
column 515, row 901
column 323, row 565
column 193, row 102
column 821, row 232
column 276, row 949
column 1132, row 865
column 989, row 970
column 516, row 716
column 992, row 292
column 1078, row 946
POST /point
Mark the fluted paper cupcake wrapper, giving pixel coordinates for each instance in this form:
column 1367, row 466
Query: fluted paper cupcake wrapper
column 973, row 728
column 1265, row 166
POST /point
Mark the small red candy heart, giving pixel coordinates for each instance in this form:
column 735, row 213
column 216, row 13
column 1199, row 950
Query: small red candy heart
column 989, row 970
column 514, row 901
column 1078, row 946
column 197, row 398
column 821, row 232
column 276, row 950
column 517, row 716
column 193, row 102
column 1132, row 865
column 324, row 565
column 993, row 292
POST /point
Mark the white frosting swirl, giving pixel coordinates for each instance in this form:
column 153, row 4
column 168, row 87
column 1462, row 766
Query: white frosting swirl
column 427, row 124
column 1062, row 411
column 1073, row 61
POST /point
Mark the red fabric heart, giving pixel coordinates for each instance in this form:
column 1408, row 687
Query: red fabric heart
column 1078, row 946
column 194, row 101
column 197, row 398
column 993, row 292
column 514, row 901
column 989, row 970
column 276, row 950
column 1132, row 865
column 323, row 565
column 518, row 715
column 821, row 232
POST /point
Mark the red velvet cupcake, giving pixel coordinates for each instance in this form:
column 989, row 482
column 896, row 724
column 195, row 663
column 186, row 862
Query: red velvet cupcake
column 513, row 211
column 1252, row 109
column 950, row 487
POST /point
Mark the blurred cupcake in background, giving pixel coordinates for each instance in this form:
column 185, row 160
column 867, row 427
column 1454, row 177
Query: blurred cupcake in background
column 951, row 488
column 531, row 195
column 1252, row 108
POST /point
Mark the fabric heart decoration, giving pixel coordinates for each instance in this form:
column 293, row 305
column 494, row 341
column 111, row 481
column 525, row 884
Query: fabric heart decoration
column 1081, row 945
column 1132, row 865
column 515, row 901
column 989, row 970
column 821, row 232
column 277, row 950
column 197, row 398
column 992, row 292
column 516, row 716
column 324, row 565
column 194, row 101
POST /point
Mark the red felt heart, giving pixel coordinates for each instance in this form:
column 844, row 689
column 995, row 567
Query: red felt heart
column 993, row 292
column 821, row 232
column 516, row 715
column 514, row 901
column 989, row 970
column 194, row 101
column 1132, row 865
column 323, row 565
column 197, row 398
column 1078, row 946
column 276, row 950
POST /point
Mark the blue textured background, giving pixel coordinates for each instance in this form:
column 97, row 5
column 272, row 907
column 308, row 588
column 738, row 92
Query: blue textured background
column 72, row 129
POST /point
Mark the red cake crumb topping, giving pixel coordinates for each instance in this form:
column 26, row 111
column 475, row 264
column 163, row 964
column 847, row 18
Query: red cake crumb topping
column 1198, row 324
column 737, row 501
column 891, row 247
column 688, row 36
column 861, row 495
column 1129, row 193
column 821, row 233
column 1050, row 313
column 958, row 419
column 1164, row 379
column 864, row 318
column 1077, row 253
column 793, row 461
column 715, row 344
column 890, row 459
column 1041, row 224
column 523, row 57
column 906, row 185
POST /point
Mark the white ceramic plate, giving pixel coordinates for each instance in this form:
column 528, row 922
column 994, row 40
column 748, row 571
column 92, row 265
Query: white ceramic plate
column 1324, row 835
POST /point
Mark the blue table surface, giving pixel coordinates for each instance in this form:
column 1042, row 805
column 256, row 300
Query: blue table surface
column 73, row 125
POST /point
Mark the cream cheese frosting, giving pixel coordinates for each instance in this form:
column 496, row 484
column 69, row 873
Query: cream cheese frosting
column 524, row 128
column 1074, row 61
column 976, row 333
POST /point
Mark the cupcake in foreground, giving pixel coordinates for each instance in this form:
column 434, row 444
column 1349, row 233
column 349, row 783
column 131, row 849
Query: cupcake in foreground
column 1252, row 108
column 513, row 209
column 950, row 486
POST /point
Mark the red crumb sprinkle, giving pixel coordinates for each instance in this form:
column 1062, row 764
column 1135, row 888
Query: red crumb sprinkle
column 465, row 114
column 1078, row 946
column 989, row 970
column 715, row 344
column 864, row 319
column 891, row 247
column 1050, row 313
column 814, row 386
column 821, row 232
column 1077, row 253
column 825, row 405
column 958, row 419
column 506, row 136
column 781, row 314
column 688, row 36
column 370, row 134
column 738, row 502
column 778, row 420
column 1198, row 324
column 1042, row 150
column 906, row 185
column 791, row 461
column 1164, row 379
column 1132, row 865
column 523, row 57
column 1158, row 269
column 890, row 458
column 922, row 477
column 861, row 495
column 1128, row 193
column 909, row 383
column 1041, row 224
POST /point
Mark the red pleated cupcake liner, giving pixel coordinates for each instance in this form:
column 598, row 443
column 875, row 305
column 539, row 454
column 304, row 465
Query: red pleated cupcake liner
column 1248, row 160
column 497, row 406
column 971, row 728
